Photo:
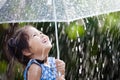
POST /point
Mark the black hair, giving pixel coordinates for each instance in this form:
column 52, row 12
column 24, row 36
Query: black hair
column 17, row 43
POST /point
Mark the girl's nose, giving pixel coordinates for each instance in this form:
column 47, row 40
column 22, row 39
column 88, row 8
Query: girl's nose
column 42, row 35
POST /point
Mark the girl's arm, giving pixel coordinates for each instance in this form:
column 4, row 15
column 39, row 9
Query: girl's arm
column 34, row 72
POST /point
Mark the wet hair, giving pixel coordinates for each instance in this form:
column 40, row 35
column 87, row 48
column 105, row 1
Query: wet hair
column 17, row 43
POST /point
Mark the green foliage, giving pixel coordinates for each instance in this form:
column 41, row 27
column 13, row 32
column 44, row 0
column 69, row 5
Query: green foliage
column 18, row 72
column 5, row 26
column 3, row 66
column 75, row 30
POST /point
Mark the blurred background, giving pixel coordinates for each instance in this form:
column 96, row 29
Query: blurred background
column 89, row 47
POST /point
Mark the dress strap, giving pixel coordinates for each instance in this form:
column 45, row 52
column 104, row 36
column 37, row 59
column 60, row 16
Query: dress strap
column 28, row 66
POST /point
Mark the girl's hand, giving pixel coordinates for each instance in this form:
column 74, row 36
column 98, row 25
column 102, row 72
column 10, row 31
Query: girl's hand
column 61, row 77
column 60, row 65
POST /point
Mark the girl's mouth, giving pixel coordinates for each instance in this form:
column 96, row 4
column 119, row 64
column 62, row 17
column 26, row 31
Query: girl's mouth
column 45, row 40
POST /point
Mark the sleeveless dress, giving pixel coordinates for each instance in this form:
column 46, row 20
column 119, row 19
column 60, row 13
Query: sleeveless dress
column 48, row 72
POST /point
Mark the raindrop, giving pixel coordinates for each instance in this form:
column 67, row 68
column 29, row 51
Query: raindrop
column 113, row 61
column 110, row 38
column 78, row 39
column 71, row 40
column 113, row 57
column 47, row 29
column 72, row 49
column 99, row 22
column 41, row 29
column 102, row 76
column 2, row 2
column 68, row 23
column 51, row 40
column 110, row 47
column 103, row 19
column 114, row 20
column 92, row 41
column 50, row 24
column 58, row 25
column 87, row 20
column 95, row 62
column 97, row 69
column 77, row 34
column 15, row 15
column 84, row 24
column 7, row 5
column 118, row 53
column 88, row 33
column 49, row 2
column 76, row 23
column 103, row 65
column 53, row 44
column 80, row 70
column 98, row 45
column 76, row 48
column 88, row 78
column 80, row 60
column 80, row 49
column 63, row 30
column 26, row 14
column 47, row 15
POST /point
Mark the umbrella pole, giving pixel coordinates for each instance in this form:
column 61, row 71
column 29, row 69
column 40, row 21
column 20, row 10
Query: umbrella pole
column 56, row 31
column 57, row 44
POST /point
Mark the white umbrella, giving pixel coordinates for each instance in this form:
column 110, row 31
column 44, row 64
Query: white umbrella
column 12, row 11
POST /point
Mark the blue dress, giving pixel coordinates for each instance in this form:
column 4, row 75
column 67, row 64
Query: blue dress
column 48, row 72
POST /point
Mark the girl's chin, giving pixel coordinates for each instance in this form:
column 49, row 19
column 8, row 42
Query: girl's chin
column 49, row 46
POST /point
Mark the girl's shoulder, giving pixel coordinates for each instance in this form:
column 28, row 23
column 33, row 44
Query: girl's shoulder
column 34, row 72
column 34, row 66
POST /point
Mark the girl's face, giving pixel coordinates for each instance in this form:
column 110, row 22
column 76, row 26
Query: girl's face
column 39, row 44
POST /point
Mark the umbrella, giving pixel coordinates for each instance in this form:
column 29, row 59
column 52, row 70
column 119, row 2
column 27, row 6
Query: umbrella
column 12, row 11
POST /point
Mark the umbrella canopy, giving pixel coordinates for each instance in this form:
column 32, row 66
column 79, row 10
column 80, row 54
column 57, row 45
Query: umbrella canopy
column 53, row 10
column 12, row 11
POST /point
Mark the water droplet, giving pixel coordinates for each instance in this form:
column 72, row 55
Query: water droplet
column 50, row 24
column 72, row 49
column 78, row 39
column 58, row 25
column 76, row 48
column 97, row 69
column 80, row 60
column 80, row 49
column 49, row 2
column 41, row 29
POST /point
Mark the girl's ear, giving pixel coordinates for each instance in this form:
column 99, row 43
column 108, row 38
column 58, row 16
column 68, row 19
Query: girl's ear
column 26, row 52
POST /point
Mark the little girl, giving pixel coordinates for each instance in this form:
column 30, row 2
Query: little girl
column 31, row 47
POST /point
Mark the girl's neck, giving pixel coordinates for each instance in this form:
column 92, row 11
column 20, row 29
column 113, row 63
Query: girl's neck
column 43, row 61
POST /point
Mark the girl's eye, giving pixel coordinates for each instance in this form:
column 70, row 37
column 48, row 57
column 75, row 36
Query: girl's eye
column 34, row 35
